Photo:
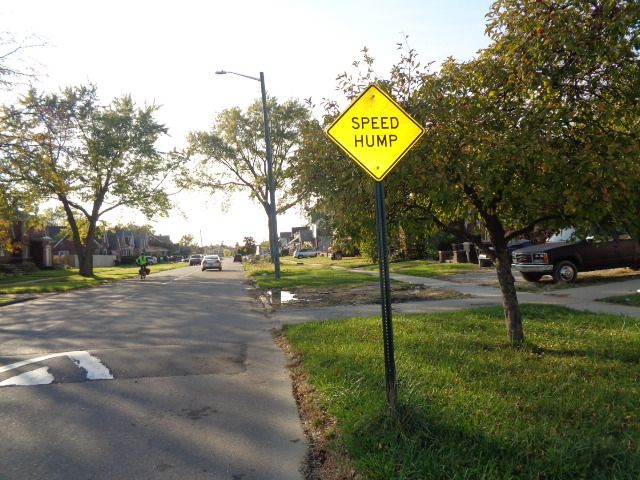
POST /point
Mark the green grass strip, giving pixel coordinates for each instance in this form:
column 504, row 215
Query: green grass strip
column 48, row 281
column 565, row 406
column 633, row 300
column 6, row 299
column 425, row 268
column 324, row 272
column 305, row 275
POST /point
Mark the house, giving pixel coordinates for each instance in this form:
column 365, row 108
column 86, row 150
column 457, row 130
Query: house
column 125, row 243
column 24, row 246
column 14, row 244
column 160, row 245
column 64, row 249
column 64, row 246
column 300, row 236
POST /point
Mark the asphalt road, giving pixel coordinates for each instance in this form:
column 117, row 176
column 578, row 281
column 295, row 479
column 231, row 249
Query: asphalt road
column 198, row 388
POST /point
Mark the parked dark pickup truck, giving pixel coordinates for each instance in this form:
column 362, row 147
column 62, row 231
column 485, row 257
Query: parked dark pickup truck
column 564, row 255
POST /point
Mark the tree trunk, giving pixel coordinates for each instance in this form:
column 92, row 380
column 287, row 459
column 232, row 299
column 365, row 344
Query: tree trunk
column 510, row 305
column 85, row 260
column 84, row 252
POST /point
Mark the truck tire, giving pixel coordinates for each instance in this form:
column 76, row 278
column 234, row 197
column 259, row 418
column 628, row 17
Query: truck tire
column 565, row 272
column 532, row 277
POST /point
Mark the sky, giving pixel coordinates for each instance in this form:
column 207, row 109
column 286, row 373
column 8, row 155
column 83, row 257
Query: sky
column 167, row 52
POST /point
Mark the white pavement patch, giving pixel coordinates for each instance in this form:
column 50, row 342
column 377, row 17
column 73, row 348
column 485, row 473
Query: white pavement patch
column 94, row 367
column 41, row 376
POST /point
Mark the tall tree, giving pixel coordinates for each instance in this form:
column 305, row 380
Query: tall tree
column 333, row 188
column 249, row 247
column 541, row 128
column 14, row 67
column 91, row 158
column 577, row 65
column 232, row 156
column 186, row 241
column 12, row 72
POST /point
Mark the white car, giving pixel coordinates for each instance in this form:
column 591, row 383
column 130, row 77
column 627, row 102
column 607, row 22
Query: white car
column 211, row 261
column 305, row 253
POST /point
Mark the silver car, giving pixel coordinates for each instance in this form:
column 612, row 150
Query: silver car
column 211, row 261
column 305, row 253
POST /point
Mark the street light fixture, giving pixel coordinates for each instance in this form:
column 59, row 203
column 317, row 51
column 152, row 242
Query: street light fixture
column 273, row 223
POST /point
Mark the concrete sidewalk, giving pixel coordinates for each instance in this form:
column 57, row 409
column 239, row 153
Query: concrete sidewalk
column 578, row 298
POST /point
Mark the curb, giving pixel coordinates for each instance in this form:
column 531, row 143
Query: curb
column 16, row 300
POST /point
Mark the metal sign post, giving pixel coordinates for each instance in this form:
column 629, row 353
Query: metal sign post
column 385, row 291
column 376, row 133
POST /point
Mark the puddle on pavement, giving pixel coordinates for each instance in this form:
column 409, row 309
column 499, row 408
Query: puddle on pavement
column 278, row 297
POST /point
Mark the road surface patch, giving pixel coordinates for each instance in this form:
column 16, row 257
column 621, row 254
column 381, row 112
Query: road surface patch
column 39, row 376
column 92, row 366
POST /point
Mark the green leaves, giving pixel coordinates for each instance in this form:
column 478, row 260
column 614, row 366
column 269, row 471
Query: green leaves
column 91, row 158
column 232, row 156
column 540, row 129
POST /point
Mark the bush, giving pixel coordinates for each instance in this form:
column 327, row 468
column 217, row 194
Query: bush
column 440, row 241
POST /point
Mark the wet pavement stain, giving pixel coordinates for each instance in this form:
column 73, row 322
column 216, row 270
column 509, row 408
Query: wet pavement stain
column 197, row 414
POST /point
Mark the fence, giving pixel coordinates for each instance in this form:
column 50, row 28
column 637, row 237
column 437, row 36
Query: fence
column 98, row 260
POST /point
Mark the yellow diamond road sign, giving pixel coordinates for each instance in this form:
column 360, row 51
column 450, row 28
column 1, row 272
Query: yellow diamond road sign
column 375, row 131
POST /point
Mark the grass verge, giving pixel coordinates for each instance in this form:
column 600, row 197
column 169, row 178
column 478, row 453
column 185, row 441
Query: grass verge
column 426, row 268
column 304, row 275
column 319, row 272
column 565, row 406
column 6, row 299
column 344, row 262
column 632, row 300
column 48, row 281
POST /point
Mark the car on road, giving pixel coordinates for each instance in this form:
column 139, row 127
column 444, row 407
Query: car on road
column 305, row 253
column 237, row 258
column 213, row 262
column 564, row 254
column 195, row 259
column 151, row 260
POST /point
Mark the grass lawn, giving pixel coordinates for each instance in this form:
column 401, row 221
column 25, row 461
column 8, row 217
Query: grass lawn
column 633, row 300
column 6, row 298
column 345, row 262
column 565, row 406
column 46, row 281
column 307, row 274
column 428, row 268
column 294, row 272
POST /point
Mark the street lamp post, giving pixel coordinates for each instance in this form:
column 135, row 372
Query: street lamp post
column 273, row 222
